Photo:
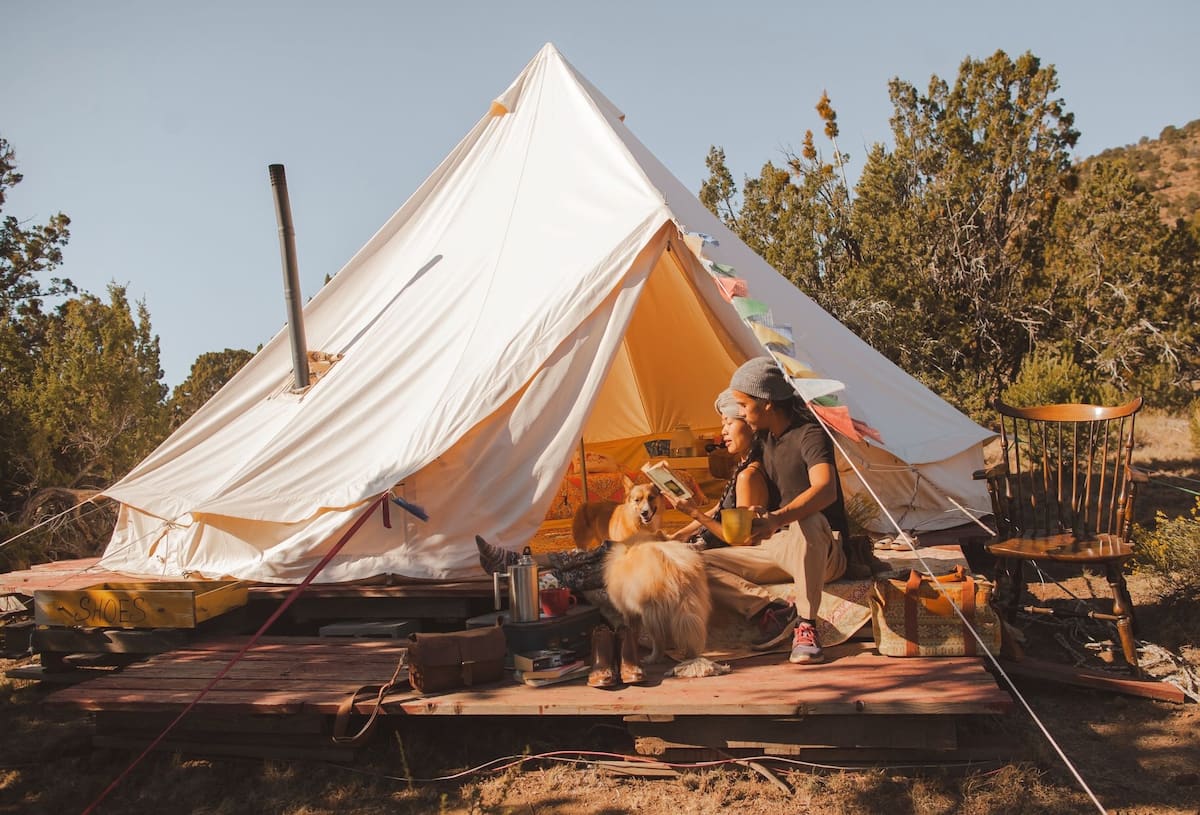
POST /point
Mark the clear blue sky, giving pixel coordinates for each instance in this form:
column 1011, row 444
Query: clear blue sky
column 151, row 124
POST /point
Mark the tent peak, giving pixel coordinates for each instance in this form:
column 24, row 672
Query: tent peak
column 549, row 60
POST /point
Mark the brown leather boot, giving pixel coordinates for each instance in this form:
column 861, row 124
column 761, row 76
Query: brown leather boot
column 861, row 562
column 631, row 668
column 602, row 674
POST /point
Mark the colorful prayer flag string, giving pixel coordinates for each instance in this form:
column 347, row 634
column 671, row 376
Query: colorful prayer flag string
column 780, row 343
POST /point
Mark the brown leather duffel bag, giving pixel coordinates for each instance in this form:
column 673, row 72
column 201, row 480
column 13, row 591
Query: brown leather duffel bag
column 438, row 662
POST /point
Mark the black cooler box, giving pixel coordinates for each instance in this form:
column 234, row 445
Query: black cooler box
column 571, row 631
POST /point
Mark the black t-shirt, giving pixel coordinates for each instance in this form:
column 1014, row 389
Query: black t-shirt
column 786, row 461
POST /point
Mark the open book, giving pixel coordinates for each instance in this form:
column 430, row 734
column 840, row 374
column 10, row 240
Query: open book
column 667, row 480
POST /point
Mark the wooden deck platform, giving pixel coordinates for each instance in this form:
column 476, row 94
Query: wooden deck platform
column 283, row 695
column 314, row 675
column 280, row 699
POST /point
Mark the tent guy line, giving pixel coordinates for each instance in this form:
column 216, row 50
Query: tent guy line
column 776, row 340
column 380, row 501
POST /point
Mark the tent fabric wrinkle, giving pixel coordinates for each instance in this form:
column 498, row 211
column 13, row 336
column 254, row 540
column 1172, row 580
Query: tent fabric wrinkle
column 539, row 287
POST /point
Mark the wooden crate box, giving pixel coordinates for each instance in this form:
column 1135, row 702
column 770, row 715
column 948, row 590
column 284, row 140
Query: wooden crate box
column 179, row 604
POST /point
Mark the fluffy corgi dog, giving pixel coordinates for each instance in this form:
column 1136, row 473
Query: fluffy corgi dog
column 659, row 586
column 598, row 521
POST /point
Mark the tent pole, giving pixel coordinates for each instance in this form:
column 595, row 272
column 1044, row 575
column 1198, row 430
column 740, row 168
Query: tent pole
column 583, row 470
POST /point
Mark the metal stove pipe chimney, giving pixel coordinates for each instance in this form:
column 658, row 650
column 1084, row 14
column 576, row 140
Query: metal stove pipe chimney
column 291, row 276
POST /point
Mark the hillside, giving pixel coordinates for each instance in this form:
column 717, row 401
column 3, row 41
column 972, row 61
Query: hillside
column 1169, row 166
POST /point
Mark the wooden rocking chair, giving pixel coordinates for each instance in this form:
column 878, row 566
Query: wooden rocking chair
column 1064, row 492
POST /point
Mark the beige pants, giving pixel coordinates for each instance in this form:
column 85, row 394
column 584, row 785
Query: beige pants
column 805, row 551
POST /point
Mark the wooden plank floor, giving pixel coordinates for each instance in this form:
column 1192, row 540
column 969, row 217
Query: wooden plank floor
column 294, row 675
column 279, row 675
column 59, row 574
column 67, row 575
column 854, row 680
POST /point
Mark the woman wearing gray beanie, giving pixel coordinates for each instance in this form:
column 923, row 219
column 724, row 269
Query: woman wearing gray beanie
column 795, row 538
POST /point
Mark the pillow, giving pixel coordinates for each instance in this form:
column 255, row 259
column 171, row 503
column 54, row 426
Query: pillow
column 596, row 463
column 601, row 487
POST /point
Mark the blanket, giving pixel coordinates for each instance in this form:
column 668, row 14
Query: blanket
column 845, row 608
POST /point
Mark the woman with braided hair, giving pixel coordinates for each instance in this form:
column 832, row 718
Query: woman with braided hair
column 747, row 487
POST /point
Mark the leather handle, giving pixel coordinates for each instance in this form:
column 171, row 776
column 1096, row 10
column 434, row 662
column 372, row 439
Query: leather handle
column 341, row 721
column 911, row 648
column 913, row 584
column 968, row 611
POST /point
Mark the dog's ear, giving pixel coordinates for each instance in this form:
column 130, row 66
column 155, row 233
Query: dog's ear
column 627, row 483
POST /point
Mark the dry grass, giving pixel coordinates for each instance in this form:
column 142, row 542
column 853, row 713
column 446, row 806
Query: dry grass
column 1165, row 450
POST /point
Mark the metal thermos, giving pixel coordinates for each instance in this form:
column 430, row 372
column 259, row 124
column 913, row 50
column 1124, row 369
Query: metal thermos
column 523, row 605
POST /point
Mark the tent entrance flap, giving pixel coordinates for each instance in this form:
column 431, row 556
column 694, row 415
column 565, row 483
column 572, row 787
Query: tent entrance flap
column 671, row 364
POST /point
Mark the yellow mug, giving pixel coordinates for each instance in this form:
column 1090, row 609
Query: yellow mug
column 736, row 525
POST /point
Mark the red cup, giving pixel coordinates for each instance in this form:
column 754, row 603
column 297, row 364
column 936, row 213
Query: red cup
column 555, row 602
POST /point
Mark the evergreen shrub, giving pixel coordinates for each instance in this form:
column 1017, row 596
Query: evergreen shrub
column 1053, row 377
column 1172, row 550
column 1194, row 425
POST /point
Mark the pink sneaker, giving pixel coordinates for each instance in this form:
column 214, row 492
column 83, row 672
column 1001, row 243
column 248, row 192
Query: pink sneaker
column 806, row 648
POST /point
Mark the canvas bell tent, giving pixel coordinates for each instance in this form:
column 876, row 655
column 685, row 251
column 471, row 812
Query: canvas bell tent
column 544, row 285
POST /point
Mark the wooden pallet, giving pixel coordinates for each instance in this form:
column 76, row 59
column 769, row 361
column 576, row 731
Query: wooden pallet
column 290, row 675
column 842, row 739
column 285, row 737
column 385, row 597
column 278, row 676
column 858, row 705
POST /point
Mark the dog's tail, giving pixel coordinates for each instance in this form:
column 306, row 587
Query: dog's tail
column 684, row 622
column 684, row 625
column 581, row 529
column 691, row 627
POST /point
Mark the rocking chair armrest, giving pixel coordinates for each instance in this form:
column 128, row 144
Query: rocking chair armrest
column 995, row 471
column 1138, row 475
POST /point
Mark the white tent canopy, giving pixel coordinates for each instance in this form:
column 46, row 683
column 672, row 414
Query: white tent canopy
column 536, row 289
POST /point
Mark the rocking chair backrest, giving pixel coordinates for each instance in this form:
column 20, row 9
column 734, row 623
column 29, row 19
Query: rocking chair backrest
column 1068, row 470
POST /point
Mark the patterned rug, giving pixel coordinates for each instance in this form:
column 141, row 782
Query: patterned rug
column 845, row 609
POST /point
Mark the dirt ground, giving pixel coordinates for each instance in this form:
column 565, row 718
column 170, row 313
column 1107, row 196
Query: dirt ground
column 1137, row 755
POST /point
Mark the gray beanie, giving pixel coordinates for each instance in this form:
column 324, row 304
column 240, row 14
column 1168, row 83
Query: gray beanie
column 761, row 378
column 727, row 406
